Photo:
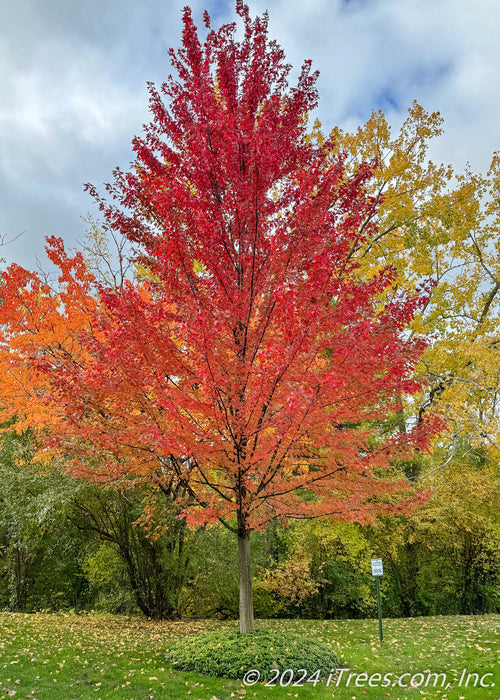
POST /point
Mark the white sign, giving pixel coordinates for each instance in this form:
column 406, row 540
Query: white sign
column 377, row 568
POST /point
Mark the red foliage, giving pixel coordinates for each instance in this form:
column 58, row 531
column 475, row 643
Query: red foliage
column 251, row 364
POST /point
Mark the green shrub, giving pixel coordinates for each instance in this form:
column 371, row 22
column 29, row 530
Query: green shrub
column 231, row 654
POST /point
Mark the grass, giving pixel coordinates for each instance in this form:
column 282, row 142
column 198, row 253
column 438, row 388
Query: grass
column 65, row 657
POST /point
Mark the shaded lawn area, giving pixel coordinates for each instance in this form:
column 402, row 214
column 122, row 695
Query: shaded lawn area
column 67, row 656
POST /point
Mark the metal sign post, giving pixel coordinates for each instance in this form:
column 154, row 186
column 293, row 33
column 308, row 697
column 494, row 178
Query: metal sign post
column 378, row 571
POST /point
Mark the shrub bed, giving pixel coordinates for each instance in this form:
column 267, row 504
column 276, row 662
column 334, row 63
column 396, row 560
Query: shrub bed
column 231, row 654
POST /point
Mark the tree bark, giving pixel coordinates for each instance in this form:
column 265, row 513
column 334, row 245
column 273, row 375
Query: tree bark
column 246, row 597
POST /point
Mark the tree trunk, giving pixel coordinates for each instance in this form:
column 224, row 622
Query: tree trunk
column 246, row 597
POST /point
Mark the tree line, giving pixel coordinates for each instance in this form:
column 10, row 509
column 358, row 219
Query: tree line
column 66, row 543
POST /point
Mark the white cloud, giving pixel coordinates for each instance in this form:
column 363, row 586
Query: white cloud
column 385, row 53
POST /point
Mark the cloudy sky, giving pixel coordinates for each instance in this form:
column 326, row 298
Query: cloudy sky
column 73, row 86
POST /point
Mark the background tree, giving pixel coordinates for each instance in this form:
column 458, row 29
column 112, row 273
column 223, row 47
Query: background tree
column 433, row 223
column 41, row 553
column 67, row 542
column 154, row 547
column 331, row 563
column 446, row 555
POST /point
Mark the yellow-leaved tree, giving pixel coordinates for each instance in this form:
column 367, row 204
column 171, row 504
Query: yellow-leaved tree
column 436, row 224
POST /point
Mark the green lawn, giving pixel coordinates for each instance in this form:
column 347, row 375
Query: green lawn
column 61, row 657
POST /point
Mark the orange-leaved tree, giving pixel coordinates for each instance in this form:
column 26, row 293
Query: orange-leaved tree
column 251, row 363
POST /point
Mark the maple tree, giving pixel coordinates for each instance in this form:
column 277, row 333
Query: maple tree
column 246, row 369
